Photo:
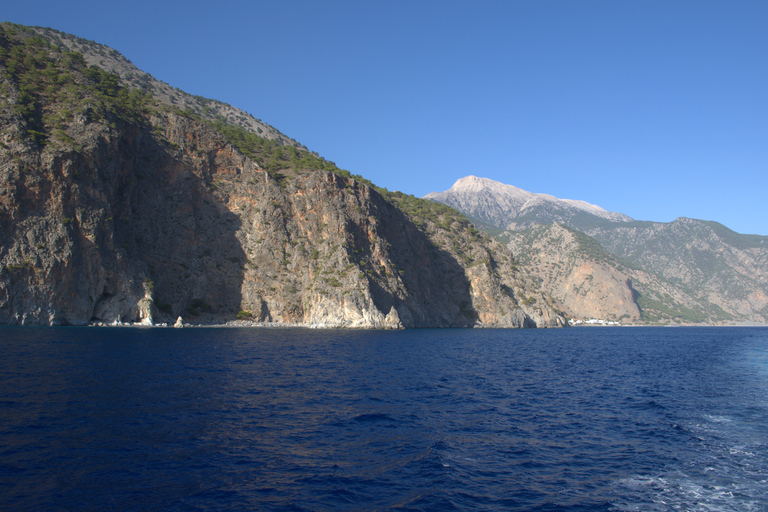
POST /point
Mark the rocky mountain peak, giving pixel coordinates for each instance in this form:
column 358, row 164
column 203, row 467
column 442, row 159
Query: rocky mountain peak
column 506, row 206
column 473, row 185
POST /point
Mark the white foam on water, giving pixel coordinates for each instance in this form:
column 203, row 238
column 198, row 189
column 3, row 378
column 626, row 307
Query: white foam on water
column 727, row 473
column 680, row 491
column 717, row 418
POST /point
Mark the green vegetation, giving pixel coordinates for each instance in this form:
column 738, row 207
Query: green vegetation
column 655, row 309
column 591, row 248
column 736, row 239
column 271, row 155
column 54, row 86
column 198, row 306
column 19, row 266
column 244, row 315
column 422, row 210
column 332, row 281
column 492, row 231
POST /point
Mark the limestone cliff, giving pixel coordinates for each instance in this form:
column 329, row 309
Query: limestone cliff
column 584, row 284
column 114, row 207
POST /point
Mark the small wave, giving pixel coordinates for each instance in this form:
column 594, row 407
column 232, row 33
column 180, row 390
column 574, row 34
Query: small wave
column 717, row 419
column 370, row 418
column 652, row 404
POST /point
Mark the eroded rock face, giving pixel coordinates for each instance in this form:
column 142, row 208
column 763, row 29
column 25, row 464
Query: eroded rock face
column 147, row 223
column 582, row 287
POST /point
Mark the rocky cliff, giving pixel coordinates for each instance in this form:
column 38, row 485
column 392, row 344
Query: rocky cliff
column 584, row 281
column 116, row 207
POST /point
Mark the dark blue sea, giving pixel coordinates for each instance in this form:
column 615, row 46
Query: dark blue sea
column 197, row 419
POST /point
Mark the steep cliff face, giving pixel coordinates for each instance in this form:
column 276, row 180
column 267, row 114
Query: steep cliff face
column 584, row 284
column 113, row 208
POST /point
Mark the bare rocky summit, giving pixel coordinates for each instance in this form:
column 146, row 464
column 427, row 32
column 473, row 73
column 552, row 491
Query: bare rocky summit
column 508, row 207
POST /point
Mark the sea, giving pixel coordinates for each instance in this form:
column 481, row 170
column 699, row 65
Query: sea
column 278, row 419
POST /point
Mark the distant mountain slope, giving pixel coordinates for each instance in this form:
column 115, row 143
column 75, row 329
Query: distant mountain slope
column 583, row 280
column 508, row 207
column 703, row 258
column 689, row 270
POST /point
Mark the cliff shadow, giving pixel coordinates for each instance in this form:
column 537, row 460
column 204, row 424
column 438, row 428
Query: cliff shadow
column 438, row 292
column 171, row 224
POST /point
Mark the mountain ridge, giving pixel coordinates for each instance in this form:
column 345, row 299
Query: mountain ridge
column 687, row 270
column 112, row 61
column 506, row 206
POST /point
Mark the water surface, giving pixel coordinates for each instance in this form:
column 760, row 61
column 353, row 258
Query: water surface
column 292, row 419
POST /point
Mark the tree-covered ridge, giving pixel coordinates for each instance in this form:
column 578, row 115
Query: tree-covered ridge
column 53, row 86
column 272, row 155
column 591, row 249
column 112, row 61
column 423, row 210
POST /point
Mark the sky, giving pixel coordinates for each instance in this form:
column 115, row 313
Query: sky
column 657, row 109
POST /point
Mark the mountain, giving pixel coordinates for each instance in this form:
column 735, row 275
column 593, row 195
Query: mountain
column 726, row 271
column 508, row 207
column 591, row 261
column 124, row 200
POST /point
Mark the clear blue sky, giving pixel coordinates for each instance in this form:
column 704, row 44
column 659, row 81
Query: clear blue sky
column 656, row 109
